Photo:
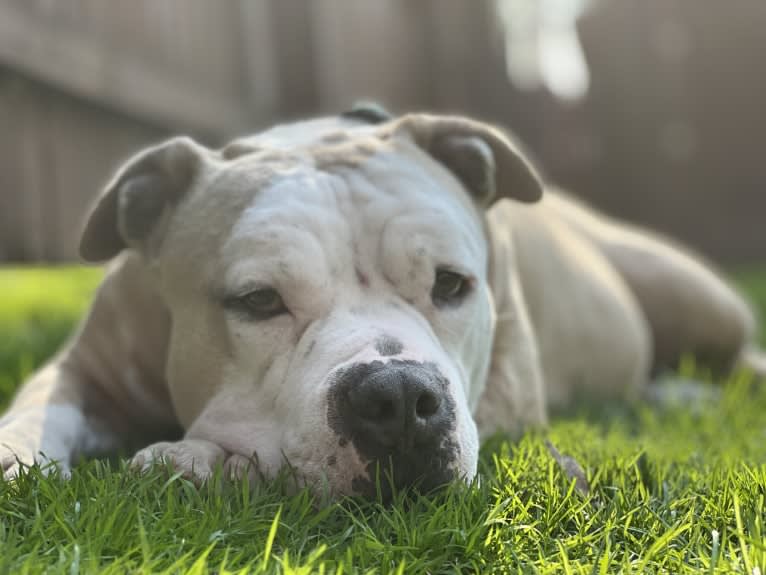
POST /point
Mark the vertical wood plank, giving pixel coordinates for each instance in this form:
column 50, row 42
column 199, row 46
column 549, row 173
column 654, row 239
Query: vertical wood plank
column 295, row 57
column 370, row 49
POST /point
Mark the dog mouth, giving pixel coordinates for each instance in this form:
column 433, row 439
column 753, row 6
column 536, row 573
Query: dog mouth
column 386, row 477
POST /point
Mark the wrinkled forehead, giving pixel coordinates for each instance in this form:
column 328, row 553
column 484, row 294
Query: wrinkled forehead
column 329, row 180
column 307, row 132
column 369, row 194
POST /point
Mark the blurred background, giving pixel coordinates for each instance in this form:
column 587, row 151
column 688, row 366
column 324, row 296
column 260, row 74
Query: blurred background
column 651, row 109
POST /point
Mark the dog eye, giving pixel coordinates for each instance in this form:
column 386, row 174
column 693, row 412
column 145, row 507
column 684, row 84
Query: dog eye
column 449, row 288
column 259, row 304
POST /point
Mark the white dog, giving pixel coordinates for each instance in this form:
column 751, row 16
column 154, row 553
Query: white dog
column 353, row 293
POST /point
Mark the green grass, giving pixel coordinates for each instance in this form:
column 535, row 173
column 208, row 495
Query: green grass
column 673, row 490
column 38, row 307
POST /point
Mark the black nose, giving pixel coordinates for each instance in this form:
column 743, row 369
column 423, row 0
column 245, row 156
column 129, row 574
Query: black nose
column 400, row 417
column 397, row 408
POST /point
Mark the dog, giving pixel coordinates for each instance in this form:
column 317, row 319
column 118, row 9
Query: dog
column 355, row 295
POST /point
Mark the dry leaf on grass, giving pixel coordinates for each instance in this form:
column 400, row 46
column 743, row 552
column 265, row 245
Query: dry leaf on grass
column 571, row 467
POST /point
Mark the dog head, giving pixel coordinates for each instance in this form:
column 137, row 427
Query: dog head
column 327, row 287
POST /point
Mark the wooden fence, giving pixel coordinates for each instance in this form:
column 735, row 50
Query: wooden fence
column 84, row 83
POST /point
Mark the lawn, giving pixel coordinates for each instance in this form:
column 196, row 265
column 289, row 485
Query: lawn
column 679, row 489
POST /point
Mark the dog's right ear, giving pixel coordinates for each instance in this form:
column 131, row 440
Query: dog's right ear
column 488, row 163
column 129, row 211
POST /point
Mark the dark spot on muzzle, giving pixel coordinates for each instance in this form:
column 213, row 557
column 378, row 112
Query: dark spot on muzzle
column 362, row 278
column 400, row 417
column 387, row 346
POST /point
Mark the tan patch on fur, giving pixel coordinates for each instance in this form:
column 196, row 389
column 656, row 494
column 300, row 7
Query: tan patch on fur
column 348, row 153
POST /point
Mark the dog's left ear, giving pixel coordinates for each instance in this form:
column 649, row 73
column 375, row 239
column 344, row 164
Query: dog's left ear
column 485, row 160
column 130, row 210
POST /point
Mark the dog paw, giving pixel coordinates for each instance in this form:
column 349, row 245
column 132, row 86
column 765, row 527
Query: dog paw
column 238, row 467
column 15, row 458
column 195, row 459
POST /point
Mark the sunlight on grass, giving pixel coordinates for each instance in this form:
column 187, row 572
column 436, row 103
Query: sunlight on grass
column 62, row 291
column 38, row 309
column 672, row 490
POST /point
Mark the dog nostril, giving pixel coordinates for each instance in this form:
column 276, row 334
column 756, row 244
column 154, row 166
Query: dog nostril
column 427, row 405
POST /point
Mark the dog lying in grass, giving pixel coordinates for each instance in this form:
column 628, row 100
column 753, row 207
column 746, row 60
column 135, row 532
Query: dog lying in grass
column 357, row 293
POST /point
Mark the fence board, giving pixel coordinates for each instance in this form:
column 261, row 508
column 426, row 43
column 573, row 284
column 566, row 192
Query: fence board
column 370, row 49
column 83, row 83
column 55, row 154
column 175, row 62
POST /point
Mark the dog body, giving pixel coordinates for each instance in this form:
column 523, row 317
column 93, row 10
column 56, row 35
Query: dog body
column 339, row 295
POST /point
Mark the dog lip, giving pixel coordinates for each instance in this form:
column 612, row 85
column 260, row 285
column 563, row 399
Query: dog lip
column 419, row 475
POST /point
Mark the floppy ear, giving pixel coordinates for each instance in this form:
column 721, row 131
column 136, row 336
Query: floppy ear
column 134, row 202
column 485, row 160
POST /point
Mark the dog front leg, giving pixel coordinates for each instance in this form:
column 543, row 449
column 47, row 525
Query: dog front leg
column 232, row 431
column 46, row 423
